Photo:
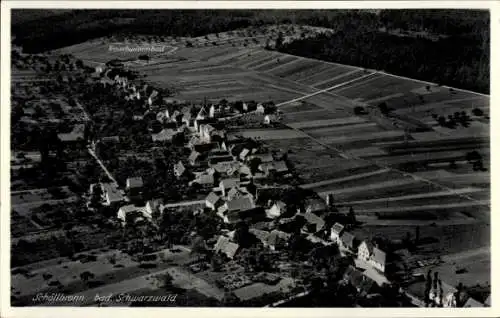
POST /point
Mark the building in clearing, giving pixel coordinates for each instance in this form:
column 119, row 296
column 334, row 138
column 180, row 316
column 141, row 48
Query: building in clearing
column 228, row 184
column 365, row 250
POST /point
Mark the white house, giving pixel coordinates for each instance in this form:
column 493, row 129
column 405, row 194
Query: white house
column 365, row 251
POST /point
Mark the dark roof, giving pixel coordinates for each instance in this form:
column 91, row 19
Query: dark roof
column 348, row 239
column 240, row 204
column 378, row 256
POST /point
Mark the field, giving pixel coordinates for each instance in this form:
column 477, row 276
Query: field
column 389, row 171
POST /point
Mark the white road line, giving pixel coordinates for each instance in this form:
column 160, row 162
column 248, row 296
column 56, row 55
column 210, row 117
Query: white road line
column 324, row 90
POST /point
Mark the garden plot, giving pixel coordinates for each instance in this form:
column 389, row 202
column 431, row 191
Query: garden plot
column 308, row 75
column 68, row 272
column 432, row 157
column 299, row 107
column 327, row 122
column 365, row 179
column 390, row 188
column 346, row 77
column 249, row 58
column 284, row 64
column 306, row 116
column 268, row 134
column 444, row 198
column 301, row 66
column 442, row 239
column 383, row 86
column 334, row 71
column 262, row 61
column 364, row 137
column 338, row 168
column 344, row 129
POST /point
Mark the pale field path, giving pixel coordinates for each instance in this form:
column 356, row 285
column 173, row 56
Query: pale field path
column 353, row 177
column 334, row 78
column 425, row 207
column 417, row 196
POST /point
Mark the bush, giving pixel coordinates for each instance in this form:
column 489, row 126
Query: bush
column 477, row 112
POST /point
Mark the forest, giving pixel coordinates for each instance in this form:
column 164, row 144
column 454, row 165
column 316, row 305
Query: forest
column 445, row 46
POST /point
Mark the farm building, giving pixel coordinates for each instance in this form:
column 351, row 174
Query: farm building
column 130, row 213
column 134, row 183
column 213, row 201
column 378, row 259
column 111, row 195
column 365, row 250
column 336, row 232
column 314, row 223
column 226, row 247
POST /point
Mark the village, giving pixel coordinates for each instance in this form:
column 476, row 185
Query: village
column 246, row 188
column 176, row 194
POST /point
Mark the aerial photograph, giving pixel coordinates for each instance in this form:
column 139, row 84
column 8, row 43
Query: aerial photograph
column 250, row 158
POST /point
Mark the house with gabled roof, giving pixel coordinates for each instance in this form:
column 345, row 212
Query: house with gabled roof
column 365, row 250
column 226, row 247
column 153, row 206
column 202, row 114
column 335, row 233
column 134, row 183
column 264, row 157
column 111, row 195
column 235, row 193
column 313, row 224
column 378, row 259
column 226, row 184
column 213, row 201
